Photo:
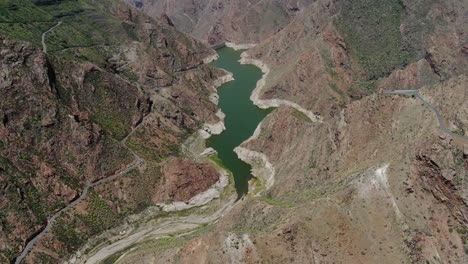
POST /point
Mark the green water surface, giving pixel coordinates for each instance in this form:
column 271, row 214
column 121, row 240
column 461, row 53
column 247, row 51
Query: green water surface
column 242, row 116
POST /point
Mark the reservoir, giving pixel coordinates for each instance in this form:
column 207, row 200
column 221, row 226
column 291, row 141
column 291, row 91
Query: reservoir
column 242, row 116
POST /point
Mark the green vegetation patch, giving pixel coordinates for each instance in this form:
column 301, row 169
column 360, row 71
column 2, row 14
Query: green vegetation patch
column 146, row 152
column 68, row 234
column 334, row 87
column 29, row 32
column 23, row 197
column 112, row 258
column 22, row 11
column 100, row 216
column 110, row 110
column 301, row 116
column 7, row 255
column 459, row 160
column 140, row 142
column 372, row 32
column 459, row 132
column 114, row 155
column 218, row 162
column 276, row 202
column 112, row 123
column 84, row 24
column 363, row 87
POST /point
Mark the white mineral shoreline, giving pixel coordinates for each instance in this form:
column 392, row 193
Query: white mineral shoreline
column 211, row 58
column 239, row 46
column 267, row 172
column 268, row 103
column 200, row 199
column 219, row 127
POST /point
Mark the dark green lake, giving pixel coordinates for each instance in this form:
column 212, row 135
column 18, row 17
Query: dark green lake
column 242, row 116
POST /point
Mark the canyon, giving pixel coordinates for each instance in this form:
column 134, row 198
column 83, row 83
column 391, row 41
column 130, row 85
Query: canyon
column 354, row 175
column 103, row 102
column 354, row 138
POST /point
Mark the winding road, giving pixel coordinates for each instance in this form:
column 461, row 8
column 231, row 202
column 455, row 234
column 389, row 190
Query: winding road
column 437, row 113
column 52, row 219
column 44, row 47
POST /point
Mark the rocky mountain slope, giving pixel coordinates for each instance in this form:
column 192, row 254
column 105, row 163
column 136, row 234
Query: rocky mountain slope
column 345, row 174
column 377, row 181
column 218, row 21
column 110, row 93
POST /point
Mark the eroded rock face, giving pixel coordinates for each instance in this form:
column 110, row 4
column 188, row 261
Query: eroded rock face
column 444, row 186
column 183, row 179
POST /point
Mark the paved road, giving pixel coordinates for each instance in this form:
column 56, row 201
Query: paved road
column 404, row 92
column 52, row 219
column 437, row 113
column 44, row 47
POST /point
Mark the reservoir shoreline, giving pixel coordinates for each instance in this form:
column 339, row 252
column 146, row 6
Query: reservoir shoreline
column 242, row 117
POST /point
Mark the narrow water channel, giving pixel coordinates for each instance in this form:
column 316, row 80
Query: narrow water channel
column 242, row 116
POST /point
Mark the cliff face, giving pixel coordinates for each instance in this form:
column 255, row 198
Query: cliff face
column 377, row 181
column 113, row 83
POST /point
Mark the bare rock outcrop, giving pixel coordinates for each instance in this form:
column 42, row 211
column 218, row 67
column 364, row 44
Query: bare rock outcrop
column 184, row 179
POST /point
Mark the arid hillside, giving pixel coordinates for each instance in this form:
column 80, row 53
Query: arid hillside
column 358, row 176
column 218, row 21
column 105, row 107
column 92, row 90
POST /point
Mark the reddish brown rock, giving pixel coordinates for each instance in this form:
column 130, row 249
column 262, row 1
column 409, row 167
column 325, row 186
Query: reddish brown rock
column 185, row 179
